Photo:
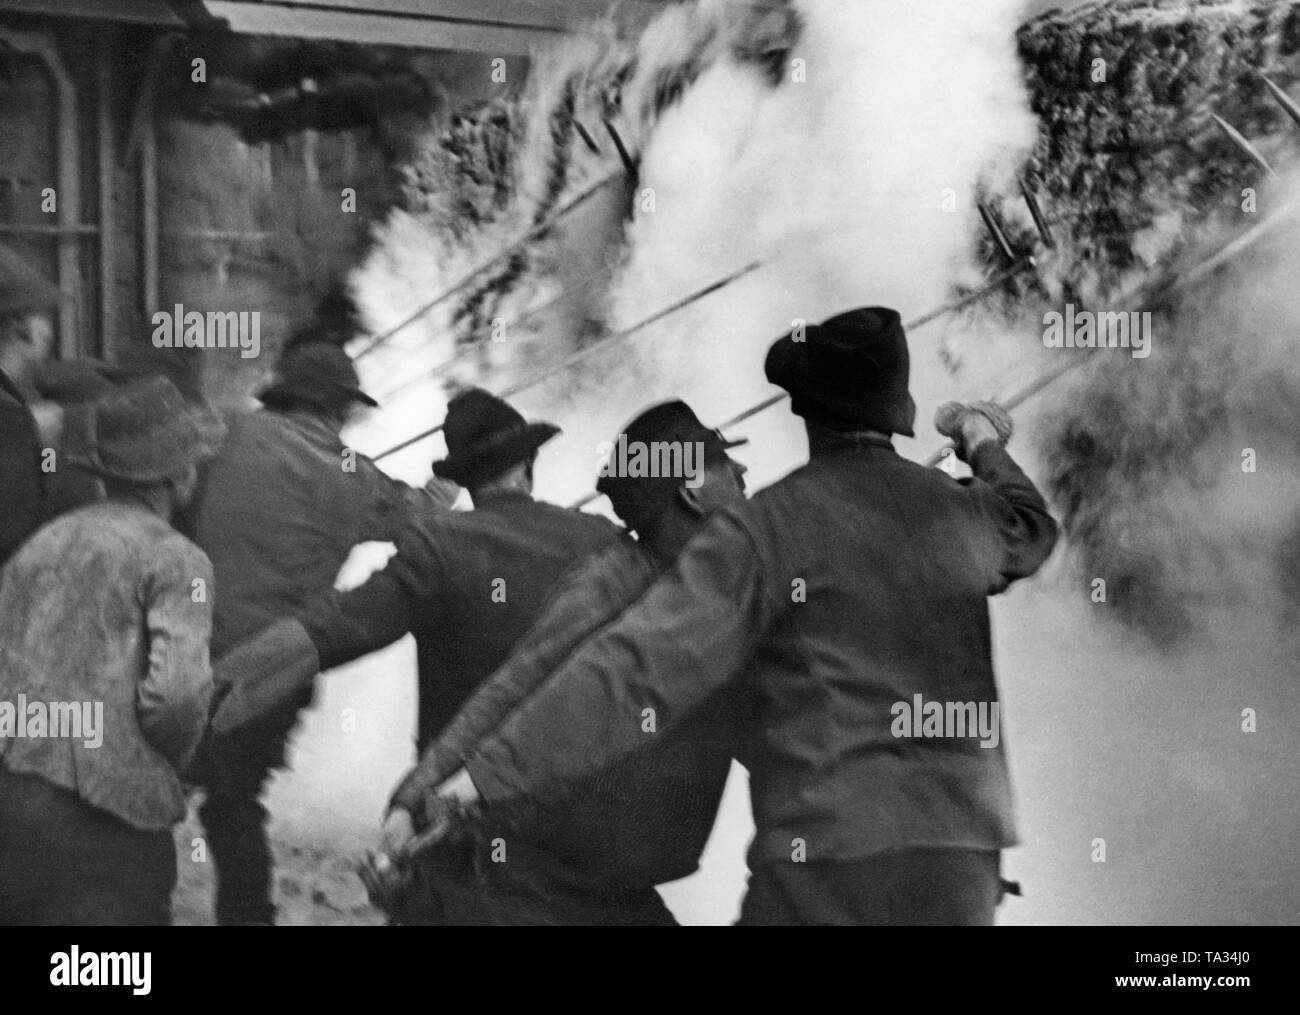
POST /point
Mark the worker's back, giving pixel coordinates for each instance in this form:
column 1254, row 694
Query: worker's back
column 278, row 514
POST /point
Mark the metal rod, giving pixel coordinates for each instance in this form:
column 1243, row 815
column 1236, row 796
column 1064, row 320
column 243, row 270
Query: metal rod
column 470, row 349
column 1285, row 101
column 570, row 361
column 629, row 163
column 105, row 165
column 950, row 307
column 38, row 229
column 508, row 251
column 1036, row 213
column 583, row 133
column 1198, row 272
column 1239, row 139
column 999, row 238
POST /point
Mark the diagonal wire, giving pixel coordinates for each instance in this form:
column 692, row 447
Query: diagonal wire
column 469, row 350
column 582, row 354
column 948, row 308
column 508, row 251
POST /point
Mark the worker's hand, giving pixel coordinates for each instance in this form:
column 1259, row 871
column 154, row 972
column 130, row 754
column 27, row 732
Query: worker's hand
column 461, row 789
column 969, row 426
column 49, row 422
column 450, row 809
column 399, row 829
column 443, row 492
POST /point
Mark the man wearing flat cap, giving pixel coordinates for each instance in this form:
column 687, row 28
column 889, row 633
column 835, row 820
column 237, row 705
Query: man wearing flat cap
column 853, row 587
column 595, row 857
column 278, row 512
column 467, row 584
column 106, row 610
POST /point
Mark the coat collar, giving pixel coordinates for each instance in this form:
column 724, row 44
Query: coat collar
column 822, row 440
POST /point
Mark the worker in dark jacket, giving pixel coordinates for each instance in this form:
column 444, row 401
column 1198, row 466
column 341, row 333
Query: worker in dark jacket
column 468, row 585
column 45, row 409
column 596, row 857
column 105, row 678
column 26, row 336
column 279, row 510
column 851, row 598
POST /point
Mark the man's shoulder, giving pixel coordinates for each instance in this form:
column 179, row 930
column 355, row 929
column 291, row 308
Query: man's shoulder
column 108, row 530
column 597, row 525
column 163, row 546
column 246, row 427
column 523, row 512
column 863, row 473
column 624, row 559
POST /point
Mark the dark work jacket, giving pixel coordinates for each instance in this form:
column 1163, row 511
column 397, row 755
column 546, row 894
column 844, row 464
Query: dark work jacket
column 278, row 514
column 855, row 583
column 640, row 822
column 22, row 485
column 468, row 585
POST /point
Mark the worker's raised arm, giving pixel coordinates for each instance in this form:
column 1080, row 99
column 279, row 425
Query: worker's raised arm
column 263, row 672
column 689, row 635
column 590, row 596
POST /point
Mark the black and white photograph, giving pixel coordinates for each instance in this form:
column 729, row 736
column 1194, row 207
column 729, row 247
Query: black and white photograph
column 651, row 463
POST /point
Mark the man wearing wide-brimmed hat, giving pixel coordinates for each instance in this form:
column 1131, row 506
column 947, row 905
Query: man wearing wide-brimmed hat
column 595, row 857
column 105, row 619
column 853, row 588
column 278, row 512
column 466, row 584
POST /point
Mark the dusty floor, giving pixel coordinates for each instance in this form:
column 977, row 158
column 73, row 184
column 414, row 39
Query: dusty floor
column 315, row 880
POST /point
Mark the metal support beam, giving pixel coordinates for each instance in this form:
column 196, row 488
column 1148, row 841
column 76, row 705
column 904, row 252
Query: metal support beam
column 41, row 45
column 105, row 164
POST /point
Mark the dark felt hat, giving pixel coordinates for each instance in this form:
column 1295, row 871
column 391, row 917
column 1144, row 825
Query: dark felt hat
column 145, row 432
column 849, row 372
column 485, row 437
column 638, row 500
column 23, row 289
column 319, row 373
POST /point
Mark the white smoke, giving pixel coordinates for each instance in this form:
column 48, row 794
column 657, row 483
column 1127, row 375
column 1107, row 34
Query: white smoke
column 853, row 186
column 853, row 181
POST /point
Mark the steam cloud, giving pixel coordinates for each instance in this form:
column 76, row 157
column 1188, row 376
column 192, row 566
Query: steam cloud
column 837, row 185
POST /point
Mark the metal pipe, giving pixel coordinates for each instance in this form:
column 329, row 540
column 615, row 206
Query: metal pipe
column 104, row 157
column 42, row 46
column 995, row 230
column 1285, row 101
column 1036, row 213
column 1239, row 139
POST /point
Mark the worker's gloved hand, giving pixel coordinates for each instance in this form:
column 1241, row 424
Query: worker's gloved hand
column 451, row 809
column 443, row 492
column 969, row 426
column 398, row 831
column 49, row 422
column 386, row 872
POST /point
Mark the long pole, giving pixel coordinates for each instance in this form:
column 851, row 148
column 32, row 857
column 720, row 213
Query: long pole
column 948, row 308
column 1195, row 274
column 582, row 354
column 508, row 251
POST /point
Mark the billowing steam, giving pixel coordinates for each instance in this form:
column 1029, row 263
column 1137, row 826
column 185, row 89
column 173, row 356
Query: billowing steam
column 843, row 147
